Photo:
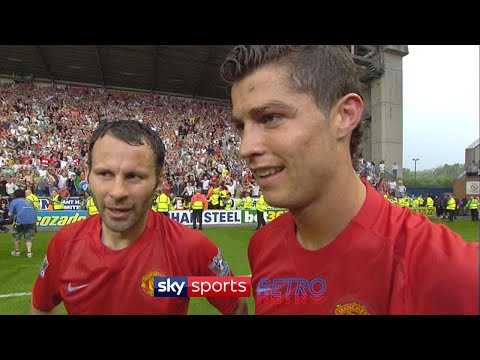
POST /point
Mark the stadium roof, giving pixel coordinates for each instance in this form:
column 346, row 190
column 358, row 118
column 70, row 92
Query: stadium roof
column 474, row 144
column 191, row 70
column 187, row 70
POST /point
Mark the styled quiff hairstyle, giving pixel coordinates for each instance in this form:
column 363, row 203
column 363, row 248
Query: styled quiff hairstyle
column 326, row 72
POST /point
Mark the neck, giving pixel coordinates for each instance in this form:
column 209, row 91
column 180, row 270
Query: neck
column 120, row 240
column 329, row 214
column 115, row 243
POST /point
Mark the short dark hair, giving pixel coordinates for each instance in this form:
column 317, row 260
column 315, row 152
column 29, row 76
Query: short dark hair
column 132, row 132
column 19, row 193
column 326, row 72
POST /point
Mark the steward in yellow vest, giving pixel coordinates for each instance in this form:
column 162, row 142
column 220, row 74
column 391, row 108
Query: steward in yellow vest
column 420, row 200
column 451, row 207
column 229, row 203
column 248, row 203
column 223, row 197
column 239, row 204
column 472, row 204
column 91, row 207
column 33, row 198
column 214, row 199
column 430, row 203
column 56, row 201
column 260, row 206
column 163, row 203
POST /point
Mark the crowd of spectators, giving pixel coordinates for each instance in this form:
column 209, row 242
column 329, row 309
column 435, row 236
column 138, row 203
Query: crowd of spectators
column 44, row 134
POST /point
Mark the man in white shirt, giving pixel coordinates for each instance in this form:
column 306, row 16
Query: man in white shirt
column 394, row 170
column 401, row 188
column 392, row 185
column 11, row 186
column 381, row 168
column 255, row 189
column 205, row 185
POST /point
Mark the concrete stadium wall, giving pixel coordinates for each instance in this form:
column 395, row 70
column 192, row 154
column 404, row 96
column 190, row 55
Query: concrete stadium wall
column 384, row 101
column 472, row 154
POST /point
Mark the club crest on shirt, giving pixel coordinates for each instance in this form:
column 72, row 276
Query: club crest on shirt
column 219, row 265
column 351, row 308
column 43, row 267
column 147, row 284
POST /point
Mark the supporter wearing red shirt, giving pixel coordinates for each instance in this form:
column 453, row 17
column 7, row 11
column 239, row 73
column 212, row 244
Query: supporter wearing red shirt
column 64, row 193
column 106, row 263
column 25, row 159
column 44, row 160
column 76, row 161
column 167, row 188
column 198, row 204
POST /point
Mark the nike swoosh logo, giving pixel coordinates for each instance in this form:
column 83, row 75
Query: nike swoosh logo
column 71, row 288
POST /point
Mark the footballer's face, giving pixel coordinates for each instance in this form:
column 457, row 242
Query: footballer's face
column 287, row 141
column 123, row 182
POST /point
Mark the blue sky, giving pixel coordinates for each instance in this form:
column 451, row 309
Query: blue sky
column 440, row 104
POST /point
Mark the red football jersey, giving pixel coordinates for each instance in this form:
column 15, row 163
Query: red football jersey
column 92, row 279
column 389, row 260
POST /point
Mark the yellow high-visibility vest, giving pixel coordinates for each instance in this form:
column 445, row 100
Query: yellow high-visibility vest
column 451, row 204
column 34, row 199
column 261, row 204
column 91, row 207
column 57, row 204
column 163, row 203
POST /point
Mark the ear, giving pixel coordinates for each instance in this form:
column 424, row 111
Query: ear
column 347, row 114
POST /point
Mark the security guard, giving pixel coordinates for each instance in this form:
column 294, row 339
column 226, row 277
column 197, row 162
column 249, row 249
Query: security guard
column 472, row 204
column 215, row 199
column 91, row 207
column 56, row 200
column 420, row 200
column 33, row 198
column 248, row 202
column 229, row 203
column 223, row 196
column 239, row 204
column 163, row 203
column 451, row 207
column 260, row 206
column 430, row 203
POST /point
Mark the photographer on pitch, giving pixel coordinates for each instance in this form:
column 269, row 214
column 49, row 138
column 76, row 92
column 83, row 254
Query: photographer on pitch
column 25, row 217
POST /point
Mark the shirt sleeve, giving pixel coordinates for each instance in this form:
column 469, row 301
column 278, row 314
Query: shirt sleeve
column 11, row 207
column 45, row 295
column 437, row 274
column 204, row 258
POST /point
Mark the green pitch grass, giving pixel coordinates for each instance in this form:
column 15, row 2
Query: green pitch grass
column 468, row 229
column 17, row 274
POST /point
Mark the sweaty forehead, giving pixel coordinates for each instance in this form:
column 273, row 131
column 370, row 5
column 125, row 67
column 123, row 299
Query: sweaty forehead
column 264, row 77
column 260, row 91
column 110, row 149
